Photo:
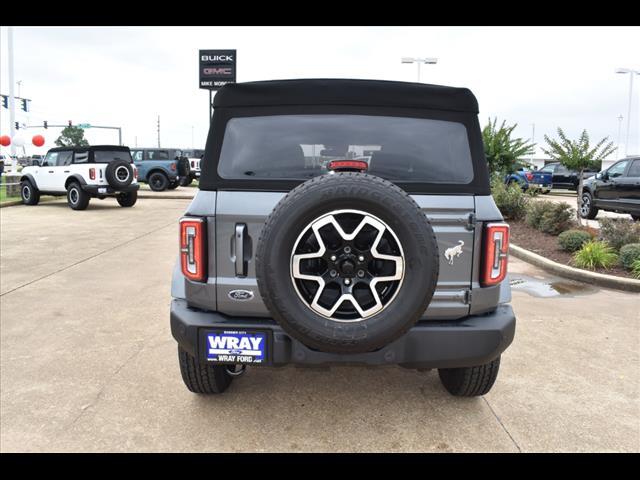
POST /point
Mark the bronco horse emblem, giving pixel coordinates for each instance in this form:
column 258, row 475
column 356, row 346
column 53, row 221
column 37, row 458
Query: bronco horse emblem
column 452, row 252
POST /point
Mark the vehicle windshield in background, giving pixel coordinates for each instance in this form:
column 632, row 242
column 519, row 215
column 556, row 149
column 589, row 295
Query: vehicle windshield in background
column 193, row 153
column 106, row 156
column 301, row 146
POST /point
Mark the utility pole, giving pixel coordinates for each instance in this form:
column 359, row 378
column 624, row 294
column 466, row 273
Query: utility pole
column 158, row 131
column 192, row 136
column 533, row 140
column 12, row 99
column 620, row 117
column 135, row 143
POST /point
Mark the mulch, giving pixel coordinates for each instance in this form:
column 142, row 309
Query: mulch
column 547, row 246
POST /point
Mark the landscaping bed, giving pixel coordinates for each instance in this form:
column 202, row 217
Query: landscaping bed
column 547, row 246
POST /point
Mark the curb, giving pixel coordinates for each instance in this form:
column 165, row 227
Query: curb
column 10, row 203
column 600, row 279
column 166, row 197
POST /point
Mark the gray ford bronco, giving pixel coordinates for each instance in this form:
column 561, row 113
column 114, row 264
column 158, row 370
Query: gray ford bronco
column 342, row 222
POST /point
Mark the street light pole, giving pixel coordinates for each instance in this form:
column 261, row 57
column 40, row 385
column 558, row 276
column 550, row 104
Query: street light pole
column 419, row 61
column 12, row 98
column 631, row 73
column 620, row 117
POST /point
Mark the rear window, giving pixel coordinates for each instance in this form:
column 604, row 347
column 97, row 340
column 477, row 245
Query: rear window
column 106, row 156
column 301, row 146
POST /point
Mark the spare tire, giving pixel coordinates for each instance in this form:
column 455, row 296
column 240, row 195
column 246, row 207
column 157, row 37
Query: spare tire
column 347, row 263
column 183, row 167
column 119, row 174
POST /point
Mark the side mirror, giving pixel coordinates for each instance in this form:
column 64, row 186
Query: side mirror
column 604, row 176
column 35, row 163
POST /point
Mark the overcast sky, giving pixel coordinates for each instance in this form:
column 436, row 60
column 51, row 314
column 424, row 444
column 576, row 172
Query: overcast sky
column 127, row 76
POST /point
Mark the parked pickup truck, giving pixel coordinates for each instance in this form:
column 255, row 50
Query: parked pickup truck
column 562, row 177
column 527, row 178
column 161, row 168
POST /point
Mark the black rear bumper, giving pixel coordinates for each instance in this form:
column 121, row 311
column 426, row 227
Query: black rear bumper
column 473, row 340
column 94, row 189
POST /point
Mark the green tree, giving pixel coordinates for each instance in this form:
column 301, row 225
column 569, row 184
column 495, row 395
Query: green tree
column 578, row 155
column 504, row 154
column 72, row 137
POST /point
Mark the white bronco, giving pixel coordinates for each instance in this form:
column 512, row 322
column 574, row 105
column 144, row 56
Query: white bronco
column 82, row 173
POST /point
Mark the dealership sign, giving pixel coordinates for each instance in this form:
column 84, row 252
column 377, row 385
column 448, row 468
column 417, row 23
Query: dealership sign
column 217, row 68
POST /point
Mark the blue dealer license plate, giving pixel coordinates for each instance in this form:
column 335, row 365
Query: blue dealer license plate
column 236, row 346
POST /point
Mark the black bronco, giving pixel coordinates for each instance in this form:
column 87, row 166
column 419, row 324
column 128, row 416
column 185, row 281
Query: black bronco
column 343, row 222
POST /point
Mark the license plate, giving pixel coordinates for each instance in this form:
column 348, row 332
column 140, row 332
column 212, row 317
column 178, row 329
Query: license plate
column 102, row 190
column 235, row 346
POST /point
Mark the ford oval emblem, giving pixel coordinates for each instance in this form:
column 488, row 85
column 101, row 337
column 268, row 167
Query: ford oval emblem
column 241, row 295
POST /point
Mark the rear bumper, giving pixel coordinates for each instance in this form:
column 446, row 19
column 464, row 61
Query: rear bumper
column 473, row 340
column 94, row 189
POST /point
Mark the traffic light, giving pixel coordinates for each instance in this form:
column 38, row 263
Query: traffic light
column 17, row 126
column 25, row 104
column 46, row 124
column 5, row 101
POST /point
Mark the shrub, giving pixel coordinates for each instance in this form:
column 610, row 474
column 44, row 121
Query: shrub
column 549, row 217
column 572, row 240
column 635, row 269
column 619, row 231
column 595, row 254
column 510, row 199
column 629, row 254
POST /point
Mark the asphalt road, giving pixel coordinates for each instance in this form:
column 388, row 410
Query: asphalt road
column 87, row 361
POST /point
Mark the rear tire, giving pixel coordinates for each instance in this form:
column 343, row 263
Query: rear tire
column 185, row 181
column 29, row 194
column 77, row 198
column 587, row 210
column 158, row 182
column 470, row 381
column 204, row 379
column 128, row 199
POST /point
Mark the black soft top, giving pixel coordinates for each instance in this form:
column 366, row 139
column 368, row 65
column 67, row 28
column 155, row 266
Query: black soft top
column 91, row 148
column 323, row 91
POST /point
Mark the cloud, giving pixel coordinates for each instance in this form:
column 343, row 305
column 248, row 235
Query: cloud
column 127, row 76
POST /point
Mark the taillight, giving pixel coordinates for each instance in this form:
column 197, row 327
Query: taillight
column 173, row 166
column 496, row 250
column 348, row 165
column 193, row 164
column 192, row 248
column 529, row 176
column 92, row 173
column 135, row 173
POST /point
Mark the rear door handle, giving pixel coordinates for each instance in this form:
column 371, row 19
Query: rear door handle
column 242, row 249
column 67, row 171
column 50, row 171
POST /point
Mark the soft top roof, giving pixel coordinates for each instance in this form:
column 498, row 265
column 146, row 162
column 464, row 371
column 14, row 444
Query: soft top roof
column 346, row 92
column 90, row 148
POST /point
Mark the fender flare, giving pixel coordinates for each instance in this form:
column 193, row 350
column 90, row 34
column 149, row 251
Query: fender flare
column 28, row 176
column 75, row 177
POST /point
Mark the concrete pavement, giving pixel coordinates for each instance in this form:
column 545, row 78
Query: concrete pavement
column 87, row 361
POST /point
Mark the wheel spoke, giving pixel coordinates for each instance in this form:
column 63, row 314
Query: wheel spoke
column 347, row 278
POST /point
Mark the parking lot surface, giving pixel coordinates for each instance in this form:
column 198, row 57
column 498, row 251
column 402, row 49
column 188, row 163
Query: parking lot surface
column 87, row 361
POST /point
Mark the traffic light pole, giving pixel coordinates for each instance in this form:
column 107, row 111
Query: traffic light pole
column 92, row 126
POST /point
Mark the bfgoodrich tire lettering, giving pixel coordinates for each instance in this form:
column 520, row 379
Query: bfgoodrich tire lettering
column 357, row 192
